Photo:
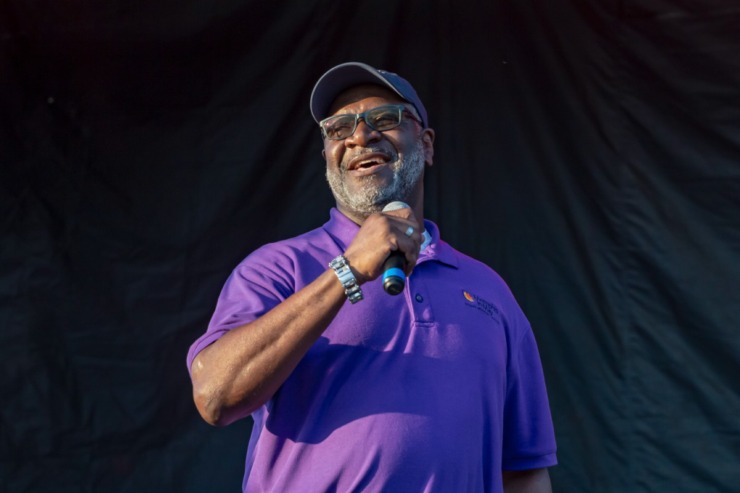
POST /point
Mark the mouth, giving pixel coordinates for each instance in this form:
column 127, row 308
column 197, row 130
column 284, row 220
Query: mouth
column 367, row 163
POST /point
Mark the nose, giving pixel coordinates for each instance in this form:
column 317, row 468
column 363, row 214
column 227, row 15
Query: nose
column 363, row 135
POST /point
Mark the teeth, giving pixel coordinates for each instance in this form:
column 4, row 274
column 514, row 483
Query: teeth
column 368, row 162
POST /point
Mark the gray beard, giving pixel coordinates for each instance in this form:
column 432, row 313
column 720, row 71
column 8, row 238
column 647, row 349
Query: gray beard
column 372, row 197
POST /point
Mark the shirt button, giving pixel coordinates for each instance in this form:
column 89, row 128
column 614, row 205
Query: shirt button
column 419, row 298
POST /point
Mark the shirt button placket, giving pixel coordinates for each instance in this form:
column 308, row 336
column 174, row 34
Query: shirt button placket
column 419, row 299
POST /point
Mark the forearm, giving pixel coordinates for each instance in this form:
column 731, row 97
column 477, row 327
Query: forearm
column 242, row 370
column 529, row 481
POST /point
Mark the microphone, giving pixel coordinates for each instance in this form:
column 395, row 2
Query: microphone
column 394, row 267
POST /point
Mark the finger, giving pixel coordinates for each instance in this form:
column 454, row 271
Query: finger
column 410, row 246
column 405, row 215
column 399, row 230
column 405, row 226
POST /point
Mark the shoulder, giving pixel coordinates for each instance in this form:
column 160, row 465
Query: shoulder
column 475, row 270
column 306, row 244
column 289, row 262
column 485, row 287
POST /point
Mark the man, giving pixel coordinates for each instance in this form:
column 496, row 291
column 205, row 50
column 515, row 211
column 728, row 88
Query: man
column 352, row 389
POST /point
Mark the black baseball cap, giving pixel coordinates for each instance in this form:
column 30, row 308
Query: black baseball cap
column 350, row 74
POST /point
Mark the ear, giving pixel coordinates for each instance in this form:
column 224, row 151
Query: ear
column 323, row 154
column 427, row 139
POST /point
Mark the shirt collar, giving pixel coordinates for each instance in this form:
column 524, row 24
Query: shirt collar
column 343, row 230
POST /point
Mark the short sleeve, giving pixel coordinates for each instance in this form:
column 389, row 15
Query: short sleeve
column 258, row 284
column 529, row 438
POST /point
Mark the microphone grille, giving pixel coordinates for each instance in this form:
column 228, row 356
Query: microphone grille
column 395, row 205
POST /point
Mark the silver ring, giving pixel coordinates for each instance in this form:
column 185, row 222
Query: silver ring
column 409, row 231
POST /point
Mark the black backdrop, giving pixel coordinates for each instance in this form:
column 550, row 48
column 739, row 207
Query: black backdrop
column 587, row 150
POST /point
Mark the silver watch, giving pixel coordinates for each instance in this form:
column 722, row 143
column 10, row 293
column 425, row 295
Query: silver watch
column 348, row 280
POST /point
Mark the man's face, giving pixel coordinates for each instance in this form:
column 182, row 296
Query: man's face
column 369, row 169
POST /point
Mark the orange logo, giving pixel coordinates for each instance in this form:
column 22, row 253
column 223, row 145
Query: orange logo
column 469, row 297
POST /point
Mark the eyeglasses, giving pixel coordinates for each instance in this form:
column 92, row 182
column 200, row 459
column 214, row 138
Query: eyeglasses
column 382, row 118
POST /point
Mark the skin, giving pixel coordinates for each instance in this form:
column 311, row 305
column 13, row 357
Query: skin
column 241, row 371
column 528, row 481
column 401, row 142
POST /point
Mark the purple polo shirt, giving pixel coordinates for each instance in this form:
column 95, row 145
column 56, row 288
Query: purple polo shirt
column 436, row 389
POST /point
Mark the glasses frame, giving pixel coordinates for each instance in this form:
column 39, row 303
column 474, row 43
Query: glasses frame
column 401, row 110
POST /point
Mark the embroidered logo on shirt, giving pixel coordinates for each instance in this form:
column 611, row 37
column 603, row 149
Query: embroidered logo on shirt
column 485, row 306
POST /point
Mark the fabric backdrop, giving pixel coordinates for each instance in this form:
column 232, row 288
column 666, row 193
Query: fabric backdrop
column 588, row 150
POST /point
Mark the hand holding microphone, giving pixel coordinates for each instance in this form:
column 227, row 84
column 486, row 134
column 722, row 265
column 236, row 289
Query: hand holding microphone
column 387, row 245
column 394, row 267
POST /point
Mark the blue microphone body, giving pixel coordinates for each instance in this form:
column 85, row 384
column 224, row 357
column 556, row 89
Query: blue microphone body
column 394, row 268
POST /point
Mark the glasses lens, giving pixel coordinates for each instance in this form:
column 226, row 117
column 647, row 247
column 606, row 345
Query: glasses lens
column 338, row 127
column 384, row 117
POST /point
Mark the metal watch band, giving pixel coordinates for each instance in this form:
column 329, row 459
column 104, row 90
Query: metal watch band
column 349, row 283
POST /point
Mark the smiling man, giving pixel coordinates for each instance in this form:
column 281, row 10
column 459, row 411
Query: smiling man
column 364, row 172
column 436, row 389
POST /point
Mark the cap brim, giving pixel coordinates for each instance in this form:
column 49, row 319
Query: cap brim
column 339, row 79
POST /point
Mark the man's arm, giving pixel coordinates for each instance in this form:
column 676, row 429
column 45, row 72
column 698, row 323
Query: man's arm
column 529, row 481
column 242, row 370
